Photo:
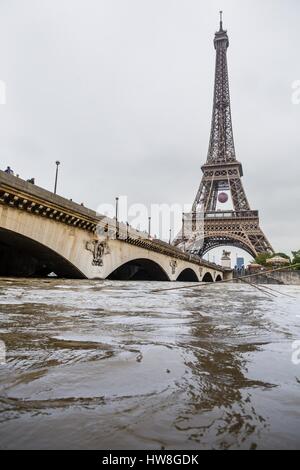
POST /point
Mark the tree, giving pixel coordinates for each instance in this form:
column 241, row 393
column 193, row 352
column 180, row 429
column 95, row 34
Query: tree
column 261, row 258
column 296, row 258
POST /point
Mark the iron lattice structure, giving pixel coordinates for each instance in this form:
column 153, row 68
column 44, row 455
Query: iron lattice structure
column 222, row 172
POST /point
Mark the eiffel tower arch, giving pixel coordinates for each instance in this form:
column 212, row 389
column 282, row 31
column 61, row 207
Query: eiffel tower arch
column 222, row 172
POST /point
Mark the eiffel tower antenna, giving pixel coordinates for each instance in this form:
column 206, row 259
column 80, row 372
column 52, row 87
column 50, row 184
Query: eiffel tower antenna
column 221, row 21
column 222, row 172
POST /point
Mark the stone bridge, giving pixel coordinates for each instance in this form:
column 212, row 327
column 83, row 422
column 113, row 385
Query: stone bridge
column 42, row 233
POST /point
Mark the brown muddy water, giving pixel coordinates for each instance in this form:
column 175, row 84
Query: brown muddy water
column 111, row 365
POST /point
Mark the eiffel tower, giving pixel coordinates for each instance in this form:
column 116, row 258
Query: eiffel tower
column 222, row 172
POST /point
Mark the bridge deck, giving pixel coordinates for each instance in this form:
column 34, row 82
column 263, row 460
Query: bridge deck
column 26, row 196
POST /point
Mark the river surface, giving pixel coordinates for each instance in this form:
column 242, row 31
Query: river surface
column 113, row 365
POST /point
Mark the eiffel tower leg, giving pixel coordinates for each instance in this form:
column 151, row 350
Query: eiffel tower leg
column 260, row 242
column 211, row 203
column 199, row 198
column 239, row 199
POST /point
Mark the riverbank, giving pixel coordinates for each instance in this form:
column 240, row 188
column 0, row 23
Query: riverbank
column 285, row 278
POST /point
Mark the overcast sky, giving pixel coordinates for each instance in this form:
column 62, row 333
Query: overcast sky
column 121, row 92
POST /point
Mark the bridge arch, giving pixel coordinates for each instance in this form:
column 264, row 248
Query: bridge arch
column 24, row 257
column 207, row 277
column 234, row 240
column 218, row 278
column 140, row 269
column 187, row 275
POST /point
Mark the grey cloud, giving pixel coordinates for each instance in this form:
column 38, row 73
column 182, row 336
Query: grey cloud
column 121, row 92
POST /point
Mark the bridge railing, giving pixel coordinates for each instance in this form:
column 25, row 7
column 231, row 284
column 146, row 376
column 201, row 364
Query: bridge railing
column 110, row 229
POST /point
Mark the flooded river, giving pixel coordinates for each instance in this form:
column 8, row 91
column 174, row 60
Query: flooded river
column 112, row 365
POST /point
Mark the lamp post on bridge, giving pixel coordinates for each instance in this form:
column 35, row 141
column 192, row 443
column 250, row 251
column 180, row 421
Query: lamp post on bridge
column 170, row 238
column 183, row 233
column 149, row 227
column 57, row 163
column 117, row 215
